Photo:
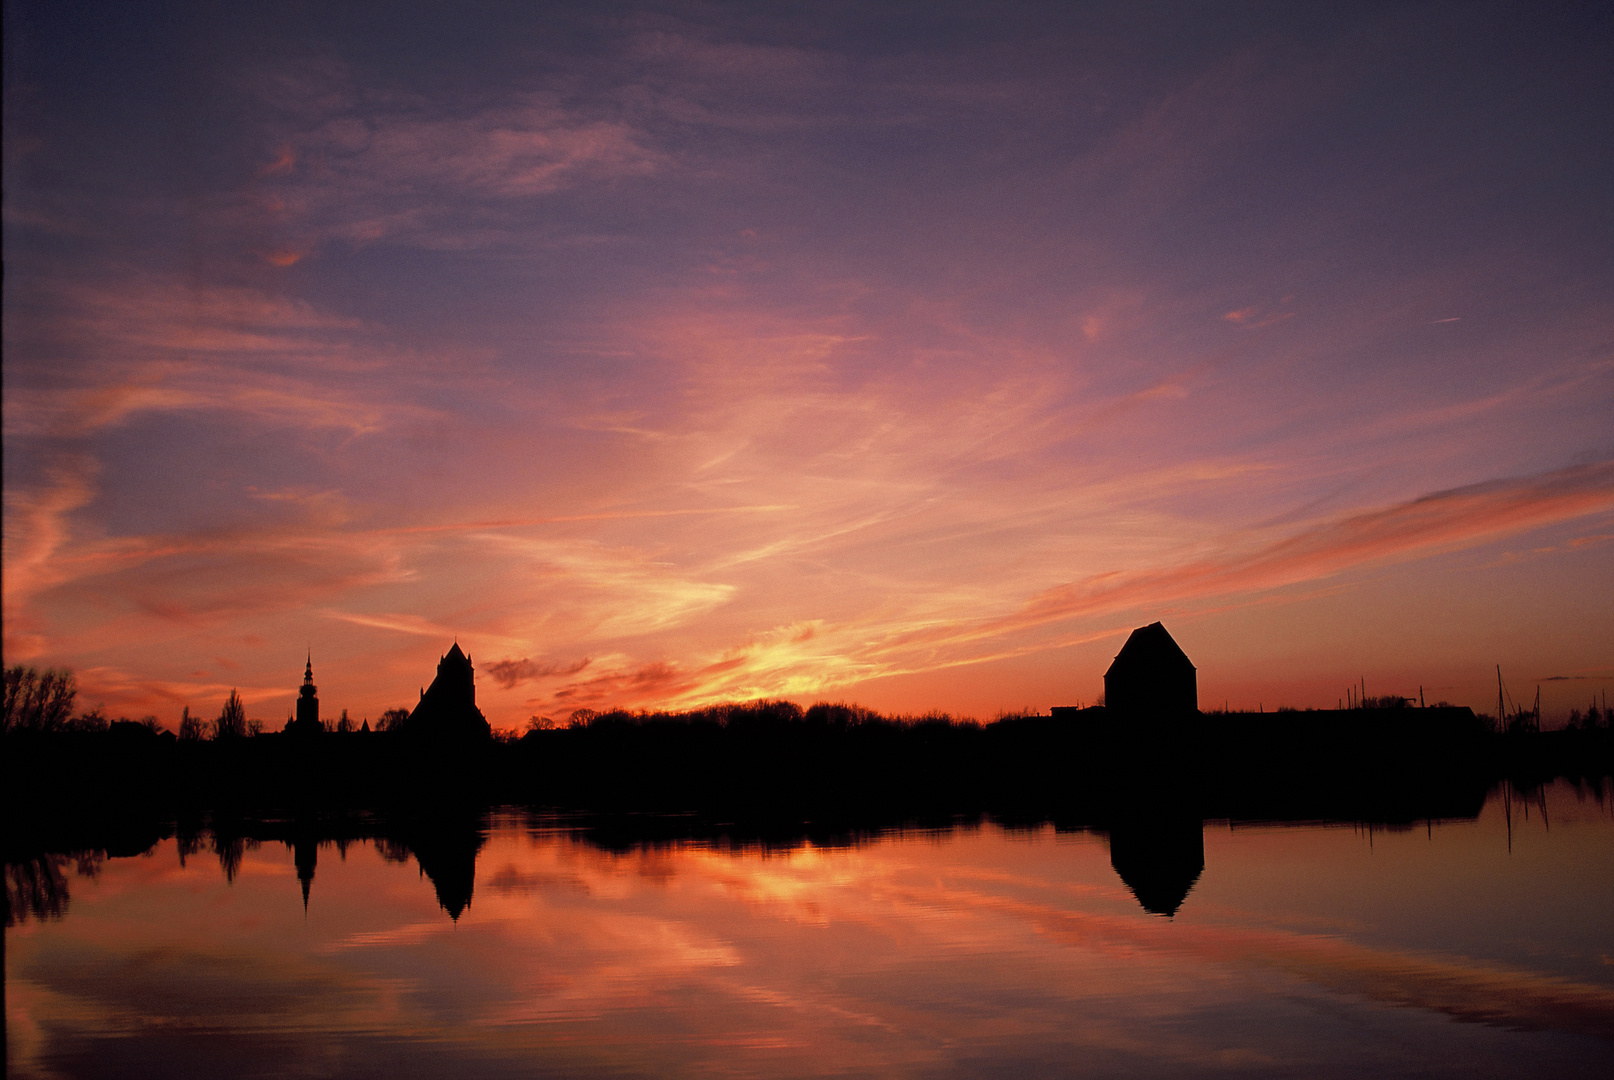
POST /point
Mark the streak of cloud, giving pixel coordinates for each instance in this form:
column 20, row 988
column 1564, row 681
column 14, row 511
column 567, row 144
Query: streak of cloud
column 509, row 673
column 1441, row 522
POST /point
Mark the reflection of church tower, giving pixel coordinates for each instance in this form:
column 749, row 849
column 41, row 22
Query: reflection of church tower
column 305, row 856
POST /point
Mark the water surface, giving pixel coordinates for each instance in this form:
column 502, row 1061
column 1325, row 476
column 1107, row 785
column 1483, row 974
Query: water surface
column 1458, row 948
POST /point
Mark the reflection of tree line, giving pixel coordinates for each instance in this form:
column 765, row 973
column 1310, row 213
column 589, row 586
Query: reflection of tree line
column 36, row 887
column 1152, row 820
column 444, row 846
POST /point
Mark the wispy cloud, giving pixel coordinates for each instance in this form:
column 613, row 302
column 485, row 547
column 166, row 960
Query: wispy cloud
column 509, row 673
column 904, row 638
column 398, row 624
column 173, row 348
column 36, row 533
column 1437, row 523
column 411, row 171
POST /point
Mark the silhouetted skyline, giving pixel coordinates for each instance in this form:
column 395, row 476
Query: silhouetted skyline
column 910, row 355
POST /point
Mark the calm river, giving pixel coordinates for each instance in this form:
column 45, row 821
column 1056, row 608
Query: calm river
column 1455, row 948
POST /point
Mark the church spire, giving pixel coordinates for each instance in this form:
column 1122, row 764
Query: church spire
column 308, row 699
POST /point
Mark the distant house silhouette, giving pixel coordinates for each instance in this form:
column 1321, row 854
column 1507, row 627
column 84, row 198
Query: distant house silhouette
column 447, row 708
column 1151, row 678
column 307, row 721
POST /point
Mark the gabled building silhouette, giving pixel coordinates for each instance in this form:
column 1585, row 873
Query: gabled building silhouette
column 447, row 708
column 1151, row 678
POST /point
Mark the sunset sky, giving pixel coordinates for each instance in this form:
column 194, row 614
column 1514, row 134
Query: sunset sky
column 907, row 354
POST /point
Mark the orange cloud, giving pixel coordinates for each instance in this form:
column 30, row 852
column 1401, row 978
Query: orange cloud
column 1446, row 521
column 1253, row 317
column 36, row 533
column 171, row 348
column 400, row 624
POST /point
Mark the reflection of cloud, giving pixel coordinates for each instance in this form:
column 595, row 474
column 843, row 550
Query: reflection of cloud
column 512, row 879
column 1466, row 990
column 827, row 892
column 690, row 959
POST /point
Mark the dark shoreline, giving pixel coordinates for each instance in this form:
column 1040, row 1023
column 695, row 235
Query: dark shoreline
column 764, row 779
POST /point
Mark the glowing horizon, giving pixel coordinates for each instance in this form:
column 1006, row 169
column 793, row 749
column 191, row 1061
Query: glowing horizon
column 670, row 357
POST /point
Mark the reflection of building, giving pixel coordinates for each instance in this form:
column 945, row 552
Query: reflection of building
column 447, row 708
column 1159, row 856
column 1151, row 677
column 305, row 856
column 307, row 721
column 447, row 856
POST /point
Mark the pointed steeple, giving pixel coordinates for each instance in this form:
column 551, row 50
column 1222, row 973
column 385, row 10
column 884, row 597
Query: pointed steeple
column 308, row 699
column 309, row 689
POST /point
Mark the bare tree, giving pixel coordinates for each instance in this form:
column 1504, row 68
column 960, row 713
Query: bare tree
column 38, row 700
column 89, row 720
column 192, row 728
column 232, row 721
column 392, row 720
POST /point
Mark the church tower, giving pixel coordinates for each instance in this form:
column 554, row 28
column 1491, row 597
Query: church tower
column 308, row 701
column 447, row 708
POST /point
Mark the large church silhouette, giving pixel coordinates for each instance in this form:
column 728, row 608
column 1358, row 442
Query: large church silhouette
column 447, row 708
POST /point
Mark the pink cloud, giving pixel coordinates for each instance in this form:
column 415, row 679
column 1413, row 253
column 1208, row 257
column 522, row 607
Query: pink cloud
column 507, row 673
column 1442, row 522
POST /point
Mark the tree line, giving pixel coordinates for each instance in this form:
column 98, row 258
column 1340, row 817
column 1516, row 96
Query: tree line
column 42, row 702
